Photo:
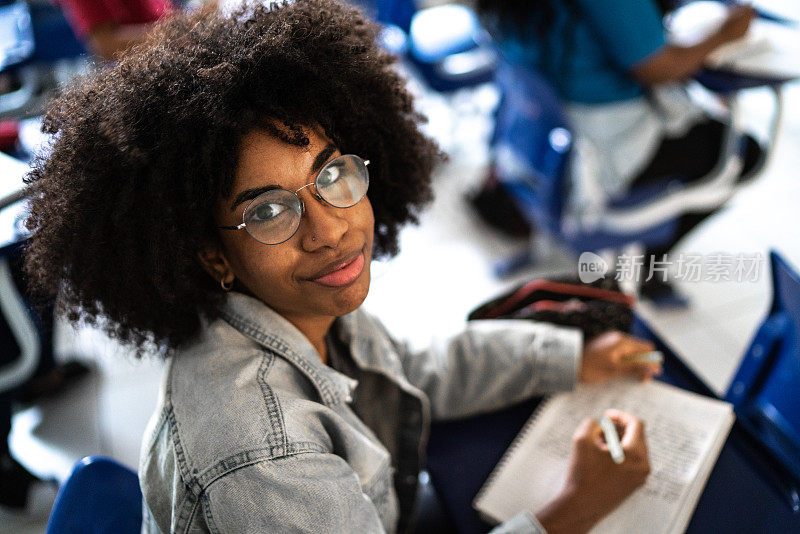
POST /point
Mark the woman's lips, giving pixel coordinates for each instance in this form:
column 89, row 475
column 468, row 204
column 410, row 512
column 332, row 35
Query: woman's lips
column 344, row 275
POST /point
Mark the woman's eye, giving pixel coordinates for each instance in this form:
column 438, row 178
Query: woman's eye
column 267, row 211
column 329, row 176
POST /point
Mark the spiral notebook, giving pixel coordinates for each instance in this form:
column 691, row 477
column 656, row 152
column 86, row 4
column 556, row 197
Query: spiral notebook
column 684, row 431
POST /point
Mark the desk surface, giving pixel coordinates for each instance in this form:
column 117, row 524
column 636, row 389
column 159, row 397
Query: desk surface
column 778, row 56
column 744, row 494
column 768, row 50
column 747, row 491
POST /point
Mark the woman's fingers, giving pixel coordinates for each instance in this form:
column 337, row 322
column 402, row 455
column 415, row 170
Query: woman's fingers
column 588, row 431
column 630, row 427
column 633, row 358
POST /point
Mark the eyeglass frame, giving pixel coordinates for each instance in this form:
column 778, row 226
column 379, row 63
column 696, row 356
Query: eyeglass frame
column 243, row 224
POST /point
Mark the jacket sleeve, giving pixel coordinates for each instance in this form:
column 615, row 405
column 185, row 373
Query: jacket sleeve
column 311, row 493
column 494, row 364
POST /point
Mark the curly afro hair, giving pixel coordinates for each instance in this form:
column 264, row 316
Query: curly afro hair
column 123, row 199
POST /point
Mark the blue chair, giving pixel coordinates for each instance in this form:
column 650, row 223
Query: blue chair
column 16, row 47
column 100, row 496
column 35, row 38
column 17, row 43
column 445, row 45
column 533, row 143
column 450, row 49
column 764, row 389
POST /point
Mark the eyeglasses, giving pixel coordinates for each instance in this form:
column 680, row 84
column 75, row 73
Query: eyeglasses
column 274, row 216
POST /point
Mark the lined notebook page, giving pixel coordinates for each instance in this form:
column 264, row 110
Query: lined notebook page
column 684, row 434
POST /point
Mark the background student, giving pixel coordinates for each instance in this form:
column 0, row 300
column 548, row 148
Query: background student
column 616, row 73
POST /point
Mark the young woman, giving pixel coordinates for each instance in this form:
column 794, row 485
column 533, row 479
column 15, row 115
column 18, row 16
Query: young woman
column 220, row 193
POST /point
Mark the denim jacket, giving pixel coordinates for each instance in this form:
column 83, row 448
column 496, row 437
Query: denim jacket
column 253, row 433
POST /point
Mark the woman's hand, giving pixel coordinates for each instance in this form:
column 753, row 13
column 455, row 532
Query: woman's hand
column 596, row 485
column 612, row 354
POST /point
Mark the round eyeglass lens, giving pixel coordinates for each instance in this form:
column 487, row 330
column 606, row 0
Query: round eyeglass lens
column 343, row 182
column 273, row 217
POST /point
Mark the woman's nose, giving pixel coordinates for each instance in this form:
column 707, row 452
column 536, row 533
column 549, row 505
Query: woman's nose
column 322, row 225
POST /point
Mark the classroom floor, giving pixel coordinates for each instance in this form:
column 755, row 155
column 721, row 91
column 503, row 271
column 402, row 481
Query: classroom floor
column 444, row 269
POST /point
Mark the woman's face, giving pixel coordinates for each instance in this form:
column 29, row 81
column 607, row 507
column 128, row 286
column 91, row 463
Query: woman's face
column 323, row 270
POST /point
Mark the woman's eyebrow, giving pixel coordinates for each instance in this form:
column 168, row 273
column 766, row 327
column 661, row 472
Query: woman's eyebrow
column 319, row 162
column 249, row 194
column 323, row 156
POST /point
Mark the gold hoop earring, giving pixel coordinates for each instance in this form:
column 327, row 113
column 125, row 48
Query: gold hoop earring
column 226, row 287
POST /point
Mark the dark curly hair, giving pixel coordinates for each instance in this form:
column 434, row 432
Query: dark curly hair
column 123, row 198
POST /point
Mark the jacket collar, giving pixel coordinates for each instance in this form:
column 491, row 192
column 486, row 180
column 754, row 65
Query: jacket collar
column 257, row 321
column 371, row 346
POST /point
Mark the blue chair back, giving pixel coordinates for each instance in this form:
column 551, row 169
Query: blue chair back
column 446, row 44
column 765, row 388
column 100, row 496
column 532, row 144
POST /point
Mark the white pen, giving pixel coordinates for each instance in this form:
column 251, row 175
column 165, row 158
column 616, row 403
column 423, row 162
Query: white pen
column 612, row 440
column 654, row 356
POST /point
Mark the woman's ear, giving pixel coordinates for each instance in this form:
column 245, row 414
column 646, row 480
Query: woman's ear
column 213, row 260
